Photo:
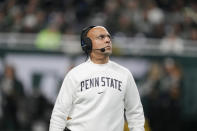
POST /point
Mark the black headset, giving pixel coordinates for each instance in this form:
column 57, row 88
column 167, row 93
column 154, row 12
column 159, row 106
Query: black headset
column 86, row 42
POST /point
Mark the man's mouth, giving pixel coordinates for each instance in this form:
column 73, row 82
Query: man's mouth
column 109, row 47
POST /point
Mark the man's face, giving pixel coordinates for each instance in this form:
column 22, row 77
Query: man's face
column 100, row 39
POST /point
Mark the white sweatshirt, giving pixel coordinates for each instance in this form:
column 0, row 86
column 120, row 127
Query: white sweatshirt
column 94, row 96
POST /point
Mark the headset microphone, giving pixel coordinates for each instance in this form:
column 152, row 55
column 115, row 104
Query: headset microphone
column 102, row 49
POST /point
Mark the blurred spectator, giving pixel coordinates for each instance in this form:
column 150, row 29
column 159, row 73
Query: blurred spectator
column 162, row 101
column 158, row 31
column 40, row 111
column 98, row 19
column 171, row 86
column 154, row 14
column 124, row 24
column 2, row 21
column 150, row 93
column 152, row 79
column 111, row 9
column 30, row 20
column 172, row 43
column 172, row 77
column 13, row 93
column 152, row 109
column 193, row 35
column 16, row 19
column 50, row 37
column 191, row 11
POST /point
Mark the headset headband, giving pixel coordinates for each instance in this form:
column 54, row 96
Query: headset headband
column 86, row 42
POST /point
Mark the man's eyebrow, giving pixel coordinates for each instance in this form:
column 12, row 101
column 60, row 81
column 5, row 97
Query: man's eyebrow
column 104, row 35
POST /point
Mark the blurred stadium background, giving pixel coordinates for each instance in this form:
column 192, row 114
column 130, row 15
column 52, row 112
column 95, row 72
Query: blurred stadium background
column 155, row 39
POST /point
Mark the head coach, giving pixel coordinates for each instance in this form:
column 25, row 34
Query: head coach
column 96, row 94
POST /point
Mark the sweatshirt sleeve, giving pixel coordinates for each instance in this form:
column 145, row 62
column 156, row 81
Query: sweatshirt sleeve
column 134, row 110
column 62, row 106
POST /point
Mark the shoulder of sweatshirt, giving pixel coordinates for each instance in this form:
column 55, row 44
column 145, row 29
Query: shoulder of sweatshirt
column 119, row 68
column 81, row 68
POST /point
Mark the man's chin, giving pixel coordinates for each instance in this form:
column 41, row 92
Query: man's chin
column 108, row 53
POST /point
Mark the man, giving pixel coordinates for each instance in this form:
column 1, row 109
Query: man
column 95, row 94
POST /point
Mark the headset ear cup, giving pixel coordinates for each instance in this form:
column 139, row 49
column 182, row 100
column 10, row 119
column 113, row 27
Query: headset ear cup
column 88, row 43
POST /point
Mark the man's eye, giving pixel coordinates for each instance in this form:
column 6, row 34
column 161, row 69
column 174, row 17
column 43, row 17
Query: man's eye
column 101, row 37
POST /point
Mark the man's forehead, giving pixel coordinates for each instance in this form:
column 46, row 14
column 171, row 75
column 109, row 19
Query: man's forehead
column 98, row 30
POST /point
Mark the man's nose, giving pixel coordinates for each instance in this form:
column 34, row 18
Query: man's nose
column 107, row 40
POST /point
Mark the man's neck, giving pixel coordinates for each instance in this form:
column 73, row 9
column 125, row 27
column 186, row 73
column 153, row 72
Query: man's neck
column 99, row 59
